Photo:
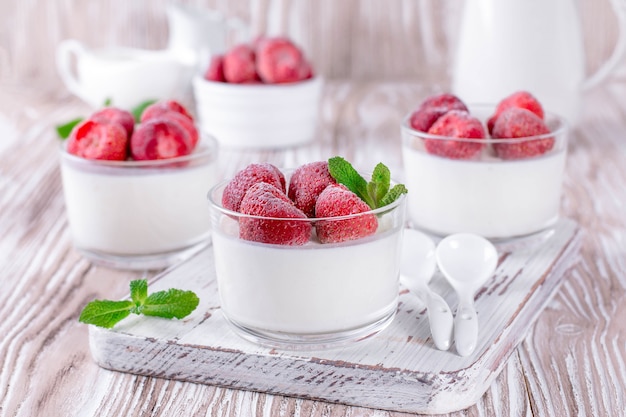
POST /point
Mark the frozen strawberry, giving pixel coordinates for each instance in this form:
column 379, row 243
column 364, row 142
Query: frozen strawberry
column 92, row 139
column 521, row 99
column 239, row 65
column 432, row 109
column 186, row 123
column 280, row 61
column 165, row 106
column 215, row 71
column 337, row 200
column 306, row 184
column 159, row 138
column 456, row 124
column 115, row 115
column 521, row 123
column 246, row 178
column 263, row 199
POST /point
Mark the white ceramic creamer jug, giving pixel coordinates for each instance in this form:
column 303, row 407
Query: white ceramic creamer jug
column 125, row 76
column 534, row 45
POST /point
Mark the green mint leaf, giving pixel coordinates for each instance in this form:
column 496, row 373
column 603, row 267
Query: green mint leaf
column 393, row 194
column 105, row 313
column 65, row 129
column 108, row 102
column 138, row 110
column 170, row 303
column 344, row 173
column 379, row 185
column 139, row 291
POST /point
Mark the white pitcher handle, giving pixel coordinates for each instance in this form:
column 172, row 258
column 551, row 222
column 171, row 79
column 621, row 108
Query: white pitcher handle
column 64, row 53
column 619, row 7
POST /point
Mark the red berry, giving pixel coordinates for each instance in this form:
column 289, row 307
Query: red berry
column 306, row 184
column 521, row 99
column 246, row 178
column 115, row 115
column 92, row 139
column 280, row 61
column 337, row 200
column 159, row 138
column 239, row 65
column 157, row 109
column 186, row 123
column 432, row 109
column 263, row 199
column 456, row 124
column 520, row 123
column 215, row 71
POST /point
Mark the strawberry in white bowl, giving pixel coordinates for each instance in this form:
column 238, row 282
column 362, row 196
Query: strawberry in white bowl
column 493, row 170
column 135, row 192
column 307, row 258
column 262, row 94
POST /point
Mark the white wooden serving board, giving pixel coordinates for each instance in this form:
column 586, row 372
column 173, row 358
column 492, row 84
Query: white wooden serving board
column 399, row 369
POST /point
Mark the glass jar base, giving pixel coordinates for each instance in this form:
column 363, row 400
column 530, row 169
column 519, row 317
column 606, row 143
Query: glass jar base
column 143, row 262
column 316, row 341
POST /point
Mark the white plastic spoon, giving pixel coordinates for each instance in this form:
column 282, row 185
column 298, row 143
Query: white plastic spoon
column 467, row 261
column 416, row 269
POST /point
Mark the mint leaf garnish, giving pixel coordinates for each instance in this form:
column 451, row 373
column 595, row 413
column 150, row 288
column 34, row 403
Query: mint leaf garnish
column 139, row 291
column 167, row 304
column 170, row 303
column 344, row 173
column 65, row 129
column 138, row 110
column 375, row 193
column 105, row 313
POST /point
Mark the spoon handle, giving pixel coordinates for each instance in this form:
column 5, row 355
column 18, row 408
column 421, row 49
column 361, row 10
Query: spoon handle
column 465, row 328
column 441, row 320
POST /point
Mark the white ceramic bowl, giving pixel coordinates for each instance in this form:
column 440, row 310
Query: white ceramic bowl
column 258, row 115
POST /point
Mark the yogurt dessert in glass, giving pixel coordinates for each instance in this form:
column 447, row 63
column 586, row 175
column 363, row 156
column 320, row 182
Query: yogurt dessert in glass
column 316, row 285
column 496, row 187
column 137, row 213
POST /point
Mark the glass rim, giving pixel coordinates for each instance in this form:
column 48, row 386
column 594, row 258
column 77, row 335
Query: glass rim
column 206, row 147
column 235, row 214
column 560, row 130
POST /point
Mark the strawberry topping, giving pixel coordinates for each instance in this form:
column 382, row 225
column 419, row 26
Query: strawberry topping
column 239, row 65
column 92, row 139
column 115, row 115
column 280, row 61
column 456, row 124
column 159, row 138
column 263, row 199
column 306, row 184
column 520, row 99
column 215, row 71
column 246, row 178
column 160, row 107
column 520, row 123
column 432, row 109
column 337, row 200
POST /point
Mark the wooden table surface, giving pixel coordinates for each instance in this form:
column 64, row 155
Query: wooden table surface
column 572, row 362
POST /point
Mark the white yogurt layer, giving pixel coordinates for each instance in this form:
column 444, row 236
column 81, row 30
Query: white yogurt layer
column 145, row 211
column 493, row 198
column 307, row 289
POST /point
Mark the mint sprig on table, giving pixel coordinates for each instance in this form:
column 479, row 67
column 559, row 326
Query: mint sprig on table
column 64, row 129
column 376, row 193
column 173, row 303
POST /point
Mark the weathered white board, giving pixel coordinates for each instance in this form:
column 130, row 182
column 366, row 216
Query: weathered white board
column 399, row 369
